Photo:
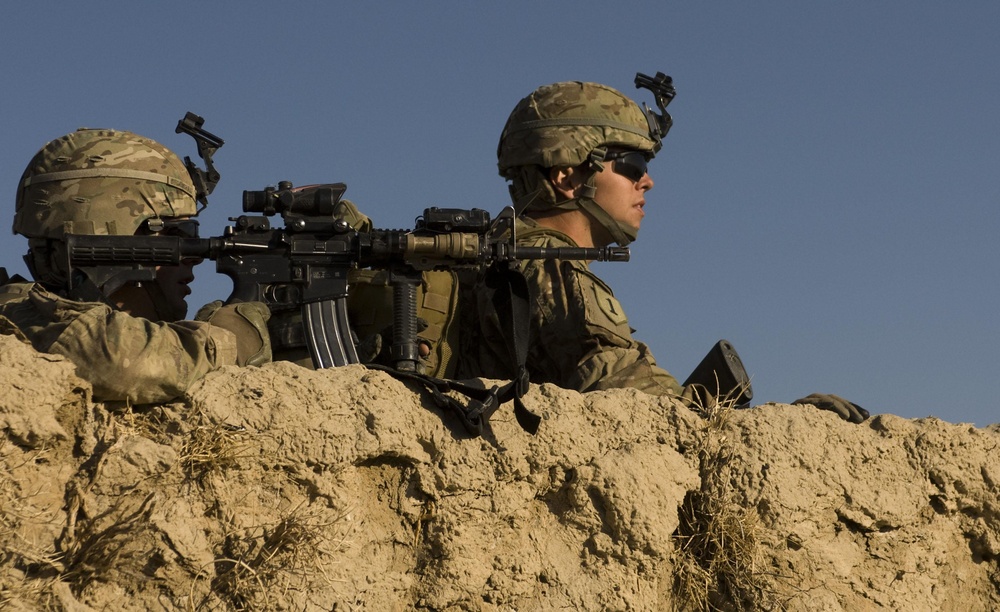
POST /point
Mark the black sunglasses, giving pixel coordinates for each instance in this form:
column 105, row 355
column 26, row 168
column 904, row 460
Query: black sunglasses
column 630, row 164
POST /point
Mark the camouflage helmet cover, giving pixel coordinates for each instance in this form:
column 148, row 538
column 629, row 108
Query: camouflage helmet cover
column 562, row 123
column 101, row 182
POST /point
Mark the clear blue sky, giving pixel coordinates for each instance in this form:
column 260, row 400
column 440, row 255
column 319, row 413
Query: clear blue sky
column 827, row 199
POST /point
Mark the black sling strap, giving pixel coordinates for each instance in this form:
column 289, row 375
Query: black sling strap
column 507, row 291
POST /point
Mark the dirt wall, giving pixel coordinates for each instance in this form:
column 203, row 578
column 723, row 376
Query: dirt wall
column 284, row 488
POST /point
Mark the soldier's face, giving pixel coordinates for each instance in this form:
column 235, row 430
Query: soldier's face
column 173, row 283
column 620, row 196
column 167, row 300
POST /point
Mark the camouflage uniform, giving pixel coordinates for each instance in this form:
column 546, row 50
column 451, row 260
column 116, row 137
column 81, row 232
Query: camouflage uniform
column 580, row 337
column 123, row 357
column 119, row 183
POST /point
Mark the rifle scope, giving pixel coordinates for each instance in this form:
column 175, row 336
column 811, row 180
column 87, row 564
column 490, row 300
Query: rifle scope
column 311, row 200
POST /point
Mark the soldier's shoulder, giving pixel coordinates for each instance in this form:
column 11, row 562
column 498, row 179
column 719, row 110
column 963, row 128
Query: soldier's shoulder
column 531, row 233
column 33, row 295
column 15, row 288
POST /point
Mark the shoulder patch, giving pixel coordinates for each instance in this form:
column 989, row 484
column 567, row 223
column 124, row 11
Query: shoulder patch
column 610, row 306
column 603, row 307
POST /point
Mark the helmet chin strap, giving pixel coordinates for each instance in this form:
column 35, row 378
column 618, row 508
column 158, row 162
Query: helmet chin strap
column 623, row 234
column 536, row 193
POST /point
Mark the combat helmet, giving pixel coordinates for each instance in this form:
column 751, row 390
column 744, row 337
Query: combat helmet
column 101, row 182
column 572, row 123
column 96, row 181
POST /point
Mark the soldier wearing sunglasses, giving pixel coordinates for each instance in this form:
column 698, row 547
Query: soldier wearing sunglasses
column 127, row 338
column 575, row 155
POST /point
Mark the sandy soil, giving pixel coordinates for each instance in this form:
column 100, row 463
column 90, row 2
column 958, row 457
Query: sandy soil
column 287, row 489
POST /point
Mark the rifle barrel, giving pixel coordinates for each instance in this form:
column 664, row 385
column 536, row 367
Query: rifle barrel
column 588, row 253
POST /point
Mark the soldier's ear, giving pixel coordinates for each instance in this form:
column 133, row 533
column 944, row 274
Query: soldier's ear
column 565, row 181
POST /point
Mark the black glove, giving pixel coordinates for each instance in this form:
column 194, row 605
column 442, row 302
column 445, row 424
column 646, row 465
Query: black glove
column 849, row 411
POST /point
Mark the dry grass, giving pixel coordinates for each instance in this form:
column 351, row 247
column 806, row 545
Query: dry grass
column 97, row 547
column 205, row 446
column 89, row 549
column 708, row 402
column 214, row 448
column 260, row 565
column 24, row 593
column 718, row 544
column 27, row 569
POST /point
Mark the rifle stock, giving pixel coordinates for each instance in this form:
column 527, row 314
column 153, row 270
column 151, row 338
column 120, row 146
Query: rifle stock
column 722, row 375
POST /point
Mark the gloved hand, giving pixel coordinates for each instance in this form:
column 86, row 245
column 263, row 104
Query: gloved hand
column 375, row 348
column 849, row 411
column 370, row 348
column 248, row 322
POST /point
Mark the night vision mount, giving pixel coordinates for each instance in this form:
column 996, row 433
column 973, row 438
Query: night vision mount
column 663, row 90
column 208, row 143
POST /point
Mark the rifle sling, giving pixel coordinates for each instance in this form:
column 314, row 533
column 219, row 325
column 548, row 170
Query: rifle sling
column 482, row 402
column 508, row 291
column 326, row 321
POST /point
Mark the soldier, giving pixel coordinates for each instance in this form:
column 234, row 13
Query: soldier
column 576, row 156
column 129, row 341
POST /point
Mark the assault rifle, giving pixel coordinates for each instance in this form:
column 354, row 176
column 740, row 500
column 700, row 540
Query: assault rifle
column 303, row 266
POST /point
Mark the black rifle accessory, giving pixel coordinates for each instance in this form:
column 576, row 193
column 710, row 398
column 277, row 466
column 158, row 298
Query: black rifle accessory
column 208, row 143
column 663, row 90
column 302, row 268
column 722, row 374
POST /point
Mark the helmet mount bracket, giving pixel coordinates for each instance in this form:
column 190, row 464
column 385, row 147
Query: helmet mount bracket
column 208, row 143
column 663, row 90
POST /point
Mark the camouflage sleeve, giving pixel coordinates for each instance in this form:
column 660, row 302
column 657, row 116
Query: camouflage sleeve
column 126, row 357
column 582, row 339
